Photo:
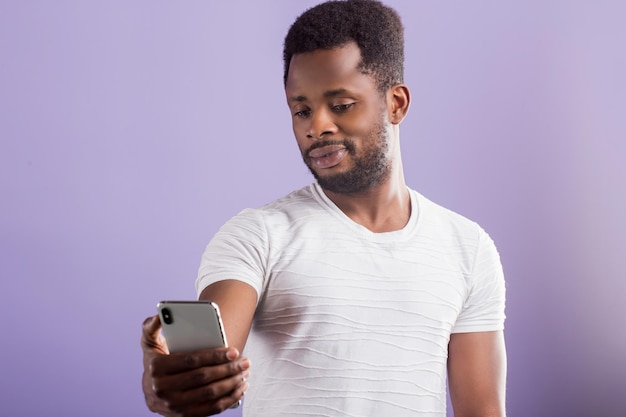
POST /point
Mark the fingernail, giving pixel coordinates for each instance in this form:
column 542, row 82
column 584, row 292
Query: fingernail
column 232, row 354
column 244, row 363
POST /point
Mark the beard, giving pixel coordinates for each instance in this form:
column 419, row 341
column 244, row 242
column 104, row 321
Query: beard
column 370, row 168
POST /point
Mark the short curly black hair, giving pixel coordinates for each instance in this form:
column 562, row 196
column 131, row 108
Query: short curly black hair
column 376, row 28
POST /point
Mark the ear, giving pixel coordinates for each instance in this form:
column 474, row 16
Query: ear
column 398, row 102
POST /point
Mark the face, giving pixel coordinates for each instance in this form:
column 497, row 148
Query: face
column 339, row 119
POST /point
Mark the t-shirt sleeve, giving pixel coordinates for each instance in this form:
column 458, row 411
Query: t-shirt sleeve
column 484, row 307
column 237, row 251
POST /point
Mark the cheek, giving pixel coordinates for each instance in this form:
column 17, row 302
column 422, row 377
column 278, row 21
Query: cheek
column 361, row 123
column 359, row 128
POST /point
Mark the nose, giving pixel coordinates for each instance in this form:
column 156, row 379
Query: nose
column 321, row 124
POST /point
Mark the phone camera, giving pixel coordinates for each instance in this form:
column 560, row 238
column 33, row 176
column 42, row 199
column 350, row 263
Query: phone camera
column 167, row 316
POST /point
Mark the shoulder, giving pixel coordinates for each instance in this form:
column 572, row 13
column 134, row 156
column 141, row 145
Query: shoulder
column 283, row 211
column 304, row 198
column 450, row 232
column 439, row 219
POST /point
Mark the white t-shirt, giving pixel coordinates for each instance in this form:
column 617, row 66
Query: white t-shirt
column 351, row 322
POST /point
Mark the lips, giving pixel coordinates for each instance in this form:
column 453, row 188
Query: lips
column 327, row 156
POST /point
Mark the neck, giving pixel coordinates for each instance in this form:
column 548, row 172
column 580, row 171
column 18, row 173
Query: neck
column 382, row 208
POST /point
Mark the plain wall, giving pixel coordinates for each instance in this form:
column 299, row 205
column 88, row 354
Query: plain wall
column 131, row 130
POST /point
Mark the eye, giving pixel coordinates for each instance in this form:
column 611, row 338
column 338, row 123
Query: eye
column 302, row 113
column 340, row 108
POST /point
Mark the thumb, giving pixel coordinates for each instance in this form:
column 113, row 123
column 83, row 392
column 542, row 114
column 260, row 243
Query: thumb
column 151, row 337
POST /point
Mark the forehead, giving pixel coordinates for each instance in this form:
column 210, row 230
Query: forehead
column 323, row 70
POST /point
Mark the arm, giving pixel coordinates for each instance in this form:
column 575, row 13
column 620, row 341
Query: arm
column 237, row 303
column 477, row 374
column 207, row 381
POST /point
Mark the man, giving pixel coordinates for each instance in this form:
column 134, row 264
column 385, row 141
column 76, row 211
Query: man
column 355, row 295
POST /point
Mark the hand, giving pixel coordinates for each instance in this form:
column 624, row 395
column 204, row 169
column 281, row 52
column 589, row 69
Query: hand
column 190, row 384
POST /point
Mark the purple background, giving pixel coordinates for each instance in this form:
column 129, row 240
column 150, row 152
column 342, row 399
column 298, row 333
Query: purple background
column 131, row 130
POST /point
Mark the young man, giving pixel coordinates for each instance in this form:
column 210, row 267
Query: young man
column 354, row 296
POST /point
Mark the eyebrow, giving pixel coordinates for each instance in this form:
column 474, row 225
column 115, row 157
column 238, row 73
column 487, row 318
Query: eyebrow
column 327, row 94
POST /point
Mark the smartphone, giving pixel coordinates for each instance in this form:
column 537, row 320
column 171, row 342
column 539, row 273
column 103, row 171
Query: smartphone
column 191, row 325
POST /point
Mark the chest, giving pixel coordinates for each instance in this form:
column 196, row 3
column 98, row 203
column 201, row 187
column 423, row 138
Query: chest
column 337, row 281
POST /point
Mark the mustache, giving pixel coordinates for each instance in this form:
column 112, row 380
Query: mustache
column 347, row 143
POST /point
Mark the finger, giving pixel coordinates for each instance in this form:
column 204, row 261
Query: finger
column 208, row 409
column 187, row 361
column 213, row 398
column 152, row 324
column 151, row 337
column 200, row 377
